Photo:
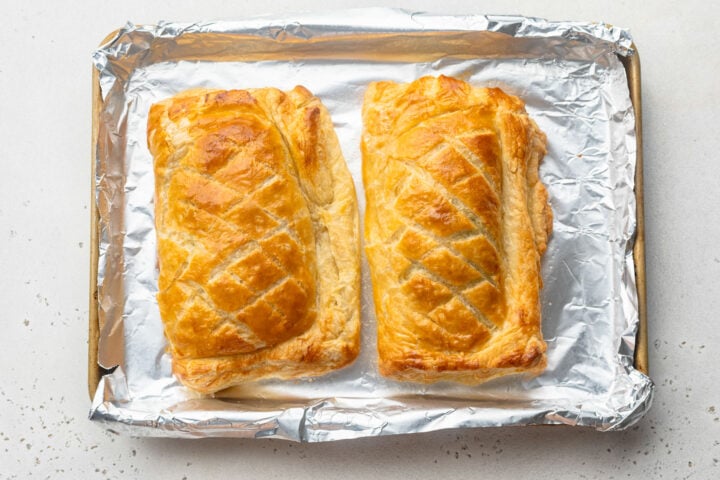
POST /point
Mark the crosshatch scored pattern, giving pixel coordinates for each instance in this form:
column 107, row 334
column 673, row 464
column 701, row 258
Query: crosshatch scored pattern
column 246, row 196
column 454, row 204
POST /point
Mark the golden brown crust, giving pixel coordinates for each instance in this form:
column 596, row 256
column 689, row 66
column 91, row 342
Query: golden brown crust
column 455, row 226
column 258, row 242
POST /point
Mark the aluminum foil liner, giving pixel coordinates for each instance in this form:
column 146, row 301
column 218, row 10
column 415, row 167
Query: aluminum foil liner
column 575, row 87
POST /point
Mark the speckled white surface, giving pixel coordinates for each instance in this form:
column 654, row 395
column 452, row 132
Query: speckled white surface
column 45, row 98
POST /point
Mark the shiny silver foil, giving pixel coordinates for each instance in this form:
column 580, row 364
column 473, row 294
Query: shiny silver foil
column 574, row 84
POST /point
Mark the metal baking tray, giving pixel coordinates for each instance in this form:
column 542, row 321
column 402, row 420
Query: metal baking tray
column 631, row 66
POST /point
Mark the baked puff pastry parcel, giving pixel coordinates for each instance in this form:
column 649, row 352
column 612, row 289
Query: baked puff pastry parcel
column 258, row 237
column 455, row 226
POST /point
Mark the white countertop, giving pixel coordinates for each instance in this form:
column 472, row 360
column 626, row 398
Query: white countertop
column 45, row 101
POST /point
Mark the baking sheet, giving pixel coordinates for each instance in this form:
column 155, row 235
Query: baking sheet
column 575, row 87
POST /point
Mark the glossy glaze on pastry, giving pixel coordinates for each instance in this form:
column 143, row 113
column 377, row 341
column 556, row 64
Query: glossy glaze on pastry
column 456, row 223
column 258, row 241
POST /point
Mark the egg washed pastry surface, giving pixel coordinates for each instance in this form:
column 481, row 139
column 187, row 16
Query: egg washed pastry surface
column 456, row 223
column 258, row 237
